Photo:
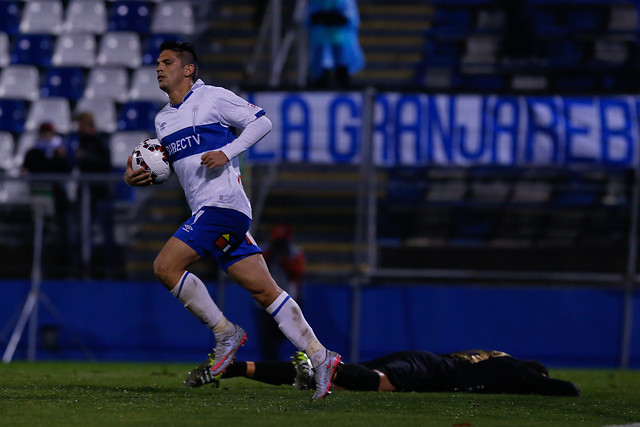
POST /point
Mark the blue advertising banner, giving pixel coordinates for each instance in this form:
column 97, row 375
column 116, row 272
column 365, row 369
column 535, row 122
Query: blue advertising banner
column 451, row 130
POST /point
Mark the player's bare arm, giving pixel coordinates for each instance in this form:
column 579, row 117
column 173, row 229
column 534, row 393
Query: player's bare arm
column 214, row 159
column 137, row 178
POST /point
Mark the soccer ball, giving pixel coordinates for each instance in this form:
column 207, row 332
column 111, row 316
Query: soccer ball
column 150, row 155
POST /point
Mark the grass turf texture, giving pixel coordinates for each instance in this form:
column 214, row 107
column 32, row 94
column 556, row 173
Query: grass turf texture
column 81, row 394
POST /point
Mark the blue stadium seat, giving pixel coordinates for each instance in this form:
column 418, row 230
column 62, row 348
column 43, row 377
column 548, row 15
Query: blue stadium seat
column 483, row 82
column 9, row 17
column 13, row 113
column 452, row 21
column 66, row 82
column 138, row 115
column 33, row 49
column 585, row 19
column 130, row 16
column 152, row 46
column 564, row 54
column 442, row 52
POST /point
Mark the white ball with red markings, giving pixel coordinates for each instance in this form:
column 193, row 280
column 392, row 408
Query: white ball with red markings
column 151, row 156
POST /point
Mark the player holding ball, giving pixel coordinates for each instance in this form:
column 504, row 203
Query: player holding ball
column 197, row 131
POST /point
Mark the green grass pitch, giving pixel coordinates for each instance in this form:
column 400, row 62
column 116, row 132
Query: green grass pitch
column 151, row 394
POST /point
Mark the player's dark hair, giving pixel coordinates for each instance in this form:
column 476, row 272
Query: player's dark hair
column 186, row 52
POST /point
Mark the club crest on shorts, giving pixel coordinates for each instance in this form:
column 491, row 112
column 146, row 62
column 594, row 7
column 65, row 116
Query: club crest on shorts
column 224, row 242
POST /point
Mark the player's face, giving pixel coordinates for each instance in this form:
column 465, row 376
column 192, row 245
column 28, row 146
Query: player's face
column 170, row 71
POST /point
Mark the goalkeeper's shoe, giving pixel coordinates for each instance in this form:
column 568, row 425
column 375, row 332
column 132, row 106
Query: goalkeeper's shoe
column 304, row 371
column 201, row 375
column 324, row 374
column 226, row 349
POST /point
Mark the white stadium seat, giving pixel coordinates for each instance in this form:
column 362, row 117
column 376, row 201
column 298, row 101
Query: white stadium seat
column 108, row 82
column 7, row 149
column 54, row 110
column 5, row 48
column 20, row 82
column 86, row 16
column 121, row 48
column 42, row 17
column 173, row 17
column 103, row 110
column 75, row 50
column 122, row 144
column 144, row 86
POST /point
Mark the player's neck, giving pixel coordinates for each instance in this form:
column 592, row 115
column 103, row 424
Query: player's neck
column 177, row 95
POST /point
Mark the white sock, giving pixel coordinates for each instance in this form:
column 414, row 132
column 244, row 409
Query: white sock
column 194, row 295
column 287, row 314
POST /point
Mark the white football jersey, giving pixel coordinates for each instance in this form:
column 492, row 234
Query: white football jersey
column 206, row 120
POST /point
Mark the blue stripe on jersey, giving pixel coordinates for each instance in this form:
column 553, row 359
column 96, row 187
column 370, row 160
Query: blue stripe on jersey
column 189, row 141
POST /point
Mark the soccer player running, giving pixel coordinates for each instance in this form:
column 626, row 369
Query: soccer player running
column 197, row 129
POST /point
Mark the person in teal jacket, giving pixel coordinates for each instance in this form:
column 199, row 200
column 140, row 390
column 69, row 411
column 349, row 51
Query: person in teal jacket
column 335, row 47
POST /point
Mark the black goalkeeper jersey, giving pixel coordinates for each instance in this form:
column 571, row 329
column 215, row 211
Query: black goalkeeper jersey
column 476, row 371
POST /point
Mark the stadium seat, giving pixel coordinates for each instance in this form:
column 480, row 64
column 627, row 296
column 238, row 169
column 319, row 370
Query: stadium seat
column 10, row 17
column 623, row 18
column 585, row 19
column 5, row 57
column 132, row 16
column 86, row 16
column 42, row 17
column 104, row 111
column 32, row 49
column 173, row 17
column 120, row 49
column 108, row 82
column 54, row 110
column 7, row 149
column 12, row 115
column 75, row 50
column 20, row 82
column 152, row 47
column 138, row 115
column 144, row 86
column 122, row 144
column 67, row 82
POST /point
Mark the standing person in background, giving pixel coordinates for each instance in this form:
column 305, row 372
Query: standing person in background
column 335, row 53
column 286, row 263
column 92, row 155
column 49, row 155
column 197, row 128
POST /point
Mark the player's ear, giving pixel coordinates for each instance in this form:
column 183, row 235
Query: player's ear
column 189, row 70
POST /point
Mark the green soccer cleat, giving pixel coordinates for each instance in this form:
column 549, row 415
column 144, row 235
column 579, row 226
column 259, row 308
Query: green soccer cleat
column 304, row 371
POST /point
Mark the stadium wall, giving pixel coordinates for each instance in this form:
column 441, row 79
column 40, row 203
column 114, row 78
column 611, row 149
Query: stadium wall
column 134, row 321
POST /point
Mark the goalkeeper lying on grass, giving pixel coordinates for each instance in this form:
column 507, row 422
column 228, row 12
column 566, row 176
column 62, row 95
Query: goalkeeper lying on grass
column 476, row 371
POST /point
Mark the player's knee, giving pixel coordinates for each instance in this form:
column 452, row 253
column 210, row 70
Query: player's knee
column 266, row 295
column 162, row 272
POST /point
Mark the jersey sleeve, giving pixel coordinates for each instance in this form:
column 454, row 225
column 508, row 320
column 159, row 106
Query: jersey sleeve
column 234, row 110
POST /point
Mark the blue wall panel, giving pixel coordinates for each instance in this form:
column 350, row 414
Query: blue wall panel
column 142, row 321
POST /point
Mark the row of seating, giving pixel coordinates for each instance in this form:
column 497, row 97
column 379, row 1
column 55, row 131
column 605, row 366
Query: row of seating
column 504, row 206
column 127, row 49
column 542, row 46
column 17, row 116
column 96, row 17
column 25, row 82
